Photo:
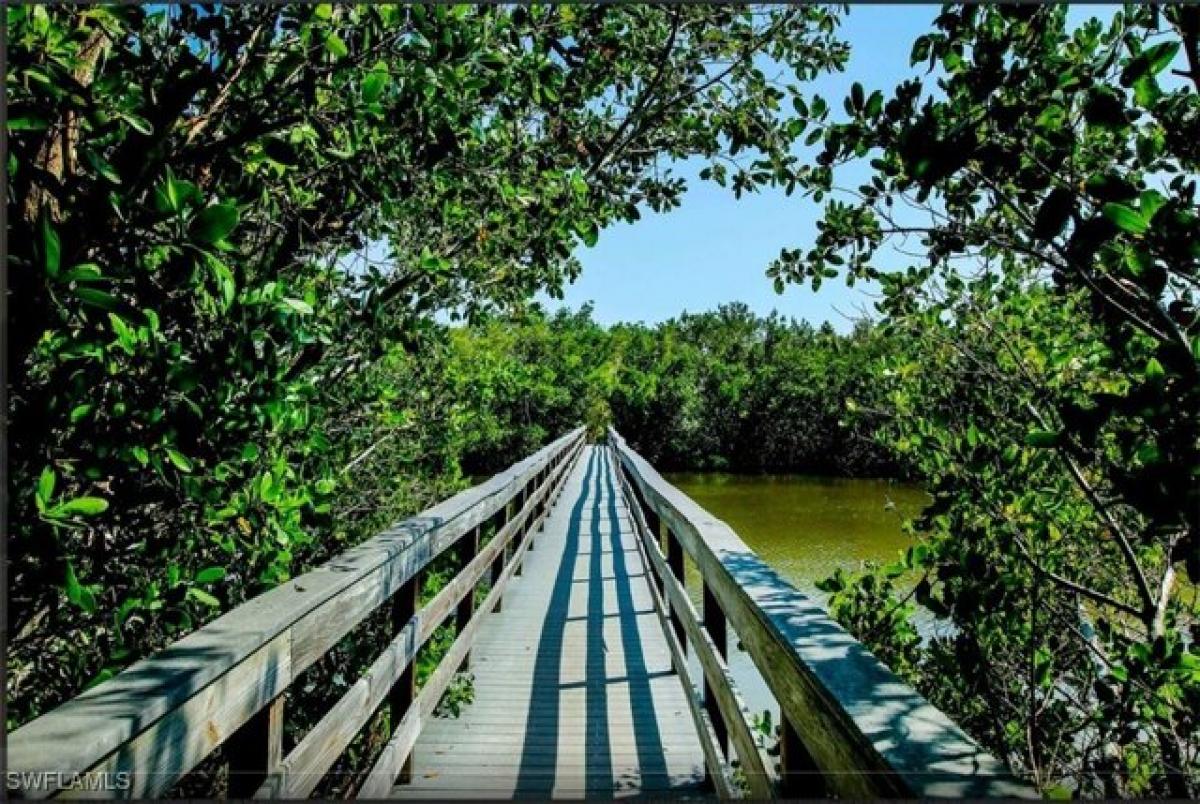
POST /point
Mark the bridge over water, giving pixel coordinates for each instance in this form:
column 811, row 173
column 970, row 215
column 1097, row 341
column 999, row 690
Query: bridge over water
column 594, row 674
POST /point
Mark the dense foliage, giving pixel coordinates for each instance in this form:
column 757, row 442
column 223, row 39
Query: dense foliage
column 725, row 389
column 233, row 230
column 1045, row 381
column 230, row 227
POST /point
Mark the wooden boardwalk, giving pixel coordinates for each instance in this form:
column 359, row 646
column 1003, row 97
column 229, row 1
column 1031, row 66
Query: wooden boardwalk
column 574, row 691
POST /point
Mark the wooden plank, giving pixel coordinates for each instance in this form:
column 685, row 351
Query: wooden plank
column 872, row 734
column 466, row 607
column 551, row 658
column 389, row 765
column 715, row 627
column 255, row 750
column 801, row 776
column 303, row 617
column 398, row 750
column 171, row 746
column 714, row 762
column 731, row 710
column 300, row 773
column 404, row 690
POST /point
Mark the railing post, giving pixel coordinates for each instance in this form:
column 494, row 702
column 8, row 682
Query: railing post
column 518, row 505
column 502, row 556
column 466, row 606
column 404, row 606
column 675, row 562
column 714, row 624
column 654, row 526
column 544, row 504
column 255, row 750
column 799, row 775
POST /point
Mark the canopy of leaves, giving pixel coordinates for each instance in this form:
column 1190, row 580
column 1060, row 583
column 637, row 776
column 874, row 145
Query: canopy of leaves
column 1050, row 392
column 230, row 227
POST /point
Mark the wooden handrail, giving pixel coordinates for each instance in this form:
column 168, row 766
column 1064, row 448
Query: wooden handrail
column 153, row 722
column 732, row 715
column 850, row 726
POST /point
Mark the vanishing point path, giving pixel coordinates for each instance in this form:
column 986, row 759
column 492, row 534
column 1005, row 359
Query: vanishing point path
column 572, row 600
column 574, row 690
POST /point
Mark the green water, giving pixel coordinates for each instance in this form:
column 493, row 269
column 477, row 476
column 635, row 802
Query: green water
column 805, row 528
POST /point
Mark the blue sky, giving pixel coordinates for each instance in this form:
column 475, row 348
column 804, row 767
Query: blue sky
column 716, row 248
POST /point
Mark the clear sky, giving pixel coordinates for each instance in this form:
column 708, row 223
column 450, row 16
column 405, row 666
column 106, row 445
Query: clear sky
column 716, row 248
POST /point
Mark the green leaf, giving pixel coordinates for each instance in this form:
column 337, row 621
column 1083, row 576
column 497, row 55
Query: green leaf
column 225, row 280
column 210, row 575
column 1126, row 218
column 97, row 298
column 874, row 104
column 203, row 597
column 81, row 506
column 1154, row 370
column 215, row 223
column 298, row 305
column 45, row 486
column 51, row 247
column 76, row 592
column 1149, row 63
column 1151, row 202
column 102, row 167
column 174, row 194
column 126, row 337
column 374, row 82
column 180, row 460
column 27, row 122
column 139, row 124
column 1054, row 214
column 1146, row 91
column 84, row 272
column 972, row 435
column 1041, row 438
column 335, row 45
column 588, row 232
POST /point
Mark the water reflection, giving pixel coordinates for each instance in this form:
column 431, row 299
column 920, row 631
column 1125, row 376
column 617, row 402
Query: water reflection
column 805, row 527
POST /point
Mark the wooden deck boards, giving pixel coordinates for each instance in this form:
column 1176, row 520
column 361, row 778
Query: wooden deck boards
column 574, row 691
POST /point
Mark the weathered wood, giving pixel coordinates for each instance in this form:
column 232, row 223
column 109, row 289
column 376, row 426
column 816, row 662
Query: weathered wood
column 255, row 750
column 574, row 688
column 466, row 606
column 299, row 774
column 716, row 775
column 870, row 733
column 163, row 715
column 675, row 562
column 397, row 754
column 197, row 727
column 714, row 626
column 404, row 691
column 726, row 705
column 800, row 778
column 399, row 748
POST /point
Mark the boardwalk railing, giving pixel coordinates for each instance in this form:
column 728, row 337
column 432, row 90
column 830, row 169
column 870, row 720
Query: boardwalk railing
column 147, row 727
column 850, row 726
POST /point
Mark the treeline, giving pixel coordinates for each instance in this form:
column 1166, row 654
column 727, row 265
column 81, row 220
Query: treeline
column 231, row 228
column 725, row 389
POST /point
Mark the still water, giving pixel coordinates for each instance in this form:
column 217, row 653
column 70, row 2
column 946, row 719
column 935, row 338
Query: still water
column 805, row 528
